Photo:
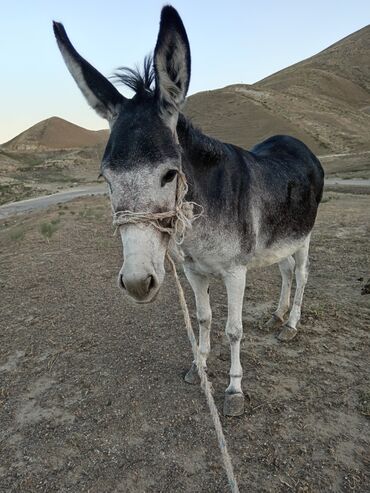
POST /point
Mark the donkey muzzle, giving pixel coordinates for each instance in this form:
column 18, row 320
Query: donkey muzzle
column 142, row 288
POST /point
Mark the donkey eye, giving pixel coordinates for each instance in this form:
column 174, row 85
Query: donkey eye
column 169, row 176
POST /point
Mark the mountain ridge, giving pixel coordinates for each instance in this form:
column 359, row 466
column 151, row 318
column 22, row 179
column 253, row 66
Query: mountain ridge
column 324, row 100
column 55, row 133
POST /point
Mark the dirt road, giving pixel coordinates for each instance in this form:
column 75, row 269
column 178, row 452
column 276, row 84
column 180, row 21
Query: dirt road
column 351, row 182
column 91, row 391
column 45, row 201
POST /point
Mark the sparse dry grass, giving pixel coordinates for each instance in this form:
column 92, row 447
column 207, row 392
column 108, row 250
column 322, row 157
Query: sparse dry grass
column 17, row 234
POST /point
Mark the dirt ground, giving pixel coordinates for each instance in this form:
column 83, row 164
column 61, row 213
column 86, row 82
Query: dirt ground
column 91, row 391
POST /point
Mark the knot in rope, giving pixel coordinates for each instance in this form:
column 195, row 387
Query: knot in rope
column 174, row 222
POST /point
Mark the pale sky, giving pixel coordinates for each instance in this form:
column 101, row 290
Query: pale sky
column 232, row 41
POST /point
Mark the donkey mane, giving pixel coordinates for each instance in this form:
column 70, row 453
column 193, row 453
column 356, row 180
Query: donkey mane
column 204, row 149
column 140, row 80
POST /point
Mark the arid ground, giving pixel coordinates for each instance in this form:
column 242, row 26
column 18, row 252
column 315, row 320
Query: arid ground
column 92, row 397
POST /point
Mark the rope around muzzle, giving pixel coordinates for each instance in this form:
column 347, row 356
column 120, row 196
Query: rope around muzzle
column 180, row 219
column 174, row 223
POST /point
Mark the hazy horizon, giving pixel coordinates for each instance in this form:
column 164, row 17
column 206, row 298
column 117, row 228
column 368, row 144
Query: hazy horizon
column 233, row 43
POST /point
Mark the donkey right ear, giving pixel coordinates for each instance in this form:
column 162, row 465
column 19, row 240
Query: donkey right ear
column 101, row 95
column 171, row 63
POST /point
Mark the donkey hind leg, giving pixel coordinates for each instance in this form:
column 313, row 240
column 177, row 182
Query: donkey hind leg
column 286, row 267
column 235, row 286
column 200, row 286
column 289, row 330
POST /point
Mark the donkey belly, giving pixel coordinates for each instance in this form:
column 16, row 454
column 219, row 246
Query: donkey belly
column 273, row 254
column 217, row 262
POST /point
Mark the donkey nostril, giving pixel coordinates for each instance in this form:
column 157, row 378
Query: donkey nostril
column 150, row 283
column 122, row 284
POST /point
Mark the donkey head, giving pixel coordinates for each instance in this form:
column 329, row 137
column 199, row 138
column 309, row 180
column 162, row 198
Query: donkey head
column 142, row 157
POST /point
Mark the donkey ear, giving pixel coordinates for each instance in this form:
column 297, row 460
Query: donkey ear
column 171, row 63
column 101, row 95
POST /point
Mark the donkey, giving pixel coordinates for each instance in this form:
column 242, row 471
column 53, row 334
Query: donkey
column 259, row 206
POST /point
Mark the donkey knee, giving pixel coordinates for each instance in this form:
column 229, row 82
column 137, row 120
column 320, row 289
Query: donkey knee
column 204, row 316
column 234, row 333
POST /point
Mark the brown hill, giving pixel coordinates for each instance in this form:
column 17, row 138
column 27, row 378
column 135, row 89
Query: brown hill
column 239, row 114
column 348, row 59
column 56, row 133
column 324, row 100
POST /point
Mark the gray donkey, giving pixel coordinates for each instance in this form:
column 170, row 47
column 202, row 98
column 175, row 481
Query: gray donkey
column 259, row 206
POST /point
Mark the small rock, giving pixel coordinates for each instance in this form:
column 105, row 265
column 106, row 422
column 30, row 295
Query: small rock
column 366, row 288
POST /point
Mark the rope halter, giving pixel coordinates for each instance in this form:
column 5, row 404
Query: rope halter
column 178, row 220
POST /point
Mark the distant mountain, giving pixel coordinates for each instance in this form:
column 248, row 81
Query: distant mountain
column 56, row 133
column 324, row 100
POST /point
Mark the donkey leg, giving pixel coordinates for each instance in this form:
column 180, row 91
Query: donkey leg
column 286, row 267
column 235, row 286
column 200, row 286
column 289, row 330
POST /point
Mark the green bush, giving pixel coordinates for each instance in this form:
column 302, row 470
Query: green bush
column 48, row 229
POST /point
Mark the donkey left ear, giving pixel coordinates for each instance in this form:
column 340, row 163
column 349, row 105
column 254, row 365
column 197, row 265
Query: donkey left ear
column 171, row 64
column 98, row 91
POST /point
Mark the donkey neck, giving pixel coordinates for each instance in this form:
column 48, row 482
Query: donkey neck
column 216, row 171
column 199, row 149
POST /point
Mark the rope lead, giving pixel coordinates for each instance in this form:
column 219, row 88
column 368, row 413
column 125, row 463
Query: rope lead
column 205, row 384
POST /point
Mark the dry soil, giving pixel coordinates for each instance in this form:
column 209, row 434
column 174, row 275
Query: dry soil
column 92, row 397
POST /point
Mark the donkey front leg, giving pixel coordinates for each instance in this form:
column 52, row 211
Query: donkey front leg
column 235, row 286
column 200, row 286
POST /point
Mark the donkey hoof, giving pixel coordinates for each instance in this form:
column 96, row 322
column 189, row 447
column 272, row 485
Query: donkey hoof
column 274, row 323
column 192, row 375
column 234, row 404
column 287, row 334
